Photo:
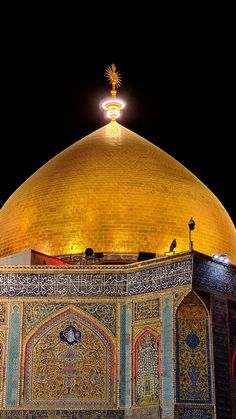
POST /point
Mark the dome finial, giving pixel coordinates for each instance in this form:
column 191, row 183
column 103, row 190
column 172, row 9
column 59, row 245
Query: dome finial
column 114, row 78
column 114, row 105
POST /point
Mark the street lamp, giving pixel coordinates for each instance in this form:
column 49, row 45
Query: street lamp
column 191, row 226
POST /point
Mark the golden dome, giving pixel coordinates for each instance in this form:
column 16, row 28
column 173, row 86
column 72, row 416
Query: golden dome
column 115, row 192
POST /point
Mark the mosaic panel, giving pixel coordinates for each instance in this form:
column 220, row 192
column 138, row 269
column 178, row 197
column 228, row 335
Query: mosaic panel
column 160, row 277
column 146, row 310
column 232, row 332
column 69, row 366
column 13, row 356
column 60, row 414
column 146, row 368
column 195, row 413
column 193, row 375
column 1, row 371
column 221, row 357
column 178, row 296
column 69, row 360
column 105, row 313
column 208, row 274
column 125, row 356
column 3, row 335
column 154, row 325
column 2, row 313
column 35, row 313
column 167, row 355
column 85, row 284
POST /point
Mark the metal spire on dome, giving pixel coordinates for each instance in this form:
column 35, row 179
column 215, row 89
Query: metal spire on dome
column 113, row 77
column 113, row 106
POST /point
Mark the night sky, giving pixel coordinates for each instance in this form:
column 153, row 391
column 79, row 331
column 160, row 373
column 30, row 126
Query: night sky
column 178, row 80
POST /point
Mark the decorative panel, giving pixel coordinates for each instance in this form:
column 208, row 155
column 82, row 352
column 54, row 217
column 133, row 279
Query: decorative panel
column 13, row 356
column 146, row 310
column 53, row 284
column 210, row 275
column 70, row 361
column 167, row 355
column 62, row 414
column 1, row 370
column 35, row 313
column 194, row 413
column 125, row 355
column 3, row 334
column 193, row 371
column 2, row 313
column 105, row 313
column 232, row 335
column 146, row 368
column 221, row 357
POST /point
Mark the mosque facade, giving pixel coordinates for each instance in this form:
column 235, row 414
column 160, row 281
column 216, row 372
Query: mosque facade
column 112, row 305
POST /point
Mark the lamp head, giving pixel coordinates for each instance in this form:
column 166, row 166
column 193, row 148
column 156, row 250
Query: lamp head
column 191, row 224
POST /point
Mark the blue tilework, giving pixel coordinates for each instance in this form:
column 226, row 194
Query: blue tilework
column 208, row 396
column 13, row 357
column 167, row 351
column 125, row 357
column 194, row 414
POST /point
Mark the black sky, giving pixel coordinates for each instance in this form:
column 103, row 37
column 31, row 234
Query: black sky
column 178, row 80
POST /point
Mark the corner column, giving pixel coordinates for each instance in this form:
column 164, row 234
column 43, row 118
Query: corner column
column 13, row 355
column 167, row 359
column 125, row 355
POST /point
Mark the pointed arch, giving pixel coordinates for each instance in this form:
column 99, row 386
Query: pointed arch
column 146, row 369
column 70, row 360
column 193, row 371
column 191, row 294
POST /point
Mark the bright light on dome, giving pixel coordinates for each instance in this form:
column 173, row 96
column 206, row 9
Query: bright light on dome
column 113, row 102
column 113, row 113
column 113, row 107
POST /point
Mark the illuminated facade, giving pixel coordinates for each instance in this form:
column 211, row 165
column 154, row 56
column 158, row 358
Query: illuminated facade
column 102, row 334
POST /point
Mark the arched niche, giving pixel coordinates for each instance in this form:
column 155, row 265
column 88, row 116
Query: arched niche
column 193, row 364
column 146, row 367
column 70, row 361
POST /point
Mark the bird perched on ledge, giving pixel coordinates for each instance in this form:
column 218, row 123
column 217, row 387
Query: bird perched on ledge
column 173, row 246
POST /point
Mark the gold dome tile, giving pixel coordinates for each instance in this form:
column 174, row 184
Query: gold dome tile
column 114, row 191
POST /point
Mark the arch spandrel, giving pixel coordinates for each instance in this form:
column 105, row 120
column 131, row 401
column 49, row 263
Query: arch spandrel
column 192, row 307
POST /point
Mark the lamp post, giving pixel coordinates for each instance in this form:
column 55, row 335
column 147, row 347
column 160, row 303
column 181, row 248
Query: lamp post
column 191, row 226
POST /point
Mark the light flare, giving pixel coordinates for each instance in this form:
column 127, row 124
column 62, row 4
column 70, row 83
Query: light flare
column 113, row 106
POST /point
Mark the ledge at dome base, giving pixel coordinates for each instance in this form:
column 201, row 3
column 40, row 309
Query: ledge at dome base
column 192, row 269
